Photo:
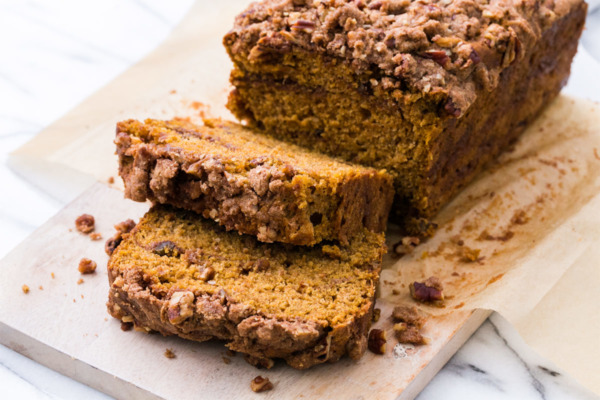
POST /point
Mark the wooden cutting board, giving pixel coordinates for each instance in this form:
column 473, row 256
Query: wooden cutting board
column 64, row 324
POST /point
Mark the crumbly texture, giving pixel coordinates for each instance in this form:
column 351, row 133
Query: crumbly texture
column 250, row 183
column 429, row 90
column 180, row 274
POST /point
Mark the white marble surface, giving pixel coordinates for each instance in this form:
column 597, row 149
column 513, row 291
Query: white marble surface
column 55, row 53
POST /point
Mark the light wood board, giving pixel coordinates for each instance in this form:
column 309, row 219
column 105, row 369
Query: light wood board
column 65, row 326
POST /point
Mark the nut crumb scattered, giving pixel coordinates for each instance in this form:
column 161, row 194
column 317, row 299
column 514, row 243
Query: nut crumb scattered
column 95, row 236
column 430, row 291
column 85, row 223
column 125, row 226
column 87, row 266
column 260, row 384
column 377, row 340
column 41, row 287
column 126, row 326
column 408, row 324
column 52, row 275
column 25, row 289
column 80, row 281
column 405, row 246
column 111, row 180
column 169, row 353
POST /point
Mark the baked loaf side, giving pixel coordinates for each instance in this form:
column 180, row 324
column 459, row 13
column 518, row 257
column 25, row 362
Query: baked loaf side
column 429, row 90
column 180, row 274
column 251, row 183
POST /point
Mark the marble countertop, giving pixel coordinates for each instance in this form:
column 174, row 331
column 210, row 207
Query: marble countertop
column 56, row 53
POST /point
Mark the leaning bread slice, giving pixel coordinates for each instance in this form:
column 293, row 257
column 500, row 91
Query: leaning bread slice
column 251, row 183
column 180, row 274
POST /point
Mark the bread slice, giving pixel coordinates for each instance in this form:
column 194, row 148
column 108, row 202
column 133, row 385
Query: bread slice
column 180, row 274
column 251, row 183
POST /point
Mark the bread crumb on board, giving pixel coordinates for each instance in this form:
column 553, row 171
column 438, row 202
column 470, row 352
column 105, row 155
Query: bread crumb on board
column 25, row 289
column 260, row 384
column 87, row 266
column 85, row 223
column 169, row 353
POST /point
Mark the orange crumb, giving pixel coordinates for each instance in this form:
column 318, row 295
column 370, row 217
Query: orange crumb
column 173, row 91
column 111, row 180
column 41, row 287
column 80, row 281
column 25, row 289
column 52, row 275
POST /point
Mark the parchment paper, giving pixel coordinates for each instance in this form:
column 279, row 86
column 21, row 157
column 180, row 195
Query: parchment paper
column 522, row 240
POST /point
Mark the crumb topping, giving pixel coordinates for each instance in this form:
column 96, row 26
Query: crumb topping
column 430, row 47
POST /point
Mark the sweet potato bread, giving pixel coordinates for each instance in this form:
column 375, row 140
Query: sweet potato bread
column 251, row 183
column 180, row 274
column 429, row 90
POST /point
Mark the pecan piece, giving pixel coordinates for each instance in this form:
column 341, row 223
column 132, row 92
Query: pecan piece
column 439, row 56
column 180, row 307
column 377, row 340
column 87, row 266
column 125, row 226
column 260, row 384
column 303, row 26
column 406, row 245
column 112, row 243
column 427, row 292
column 166, row 248
column 85, row 223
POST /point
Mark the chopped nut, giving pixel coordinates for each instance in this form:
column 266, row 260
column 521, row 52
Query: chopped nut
column 400, row 327
column 166, row 248
column 95, row 236
column 25, row 289
column 80, row 281
column 113, row 243
column 376, row 314
column 169, row 353
column 303, row 26
column 111, row 180
column 52, row 275
column 126, row 326
column 41, row 287
column 406, row 245
column 125, row 226
column 260, row 384
column 439, row 56
column 85, row 223
column 377, row 340
column 180, row 307
column 429, row 291
column 87, row 266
